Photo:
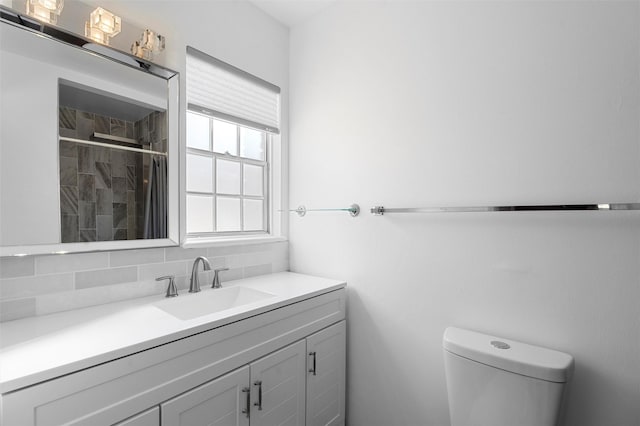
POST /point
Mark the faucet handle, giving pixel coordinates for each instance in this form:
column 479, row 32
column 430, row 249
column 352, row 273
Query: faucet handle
column 216, row 277
column 172, row 290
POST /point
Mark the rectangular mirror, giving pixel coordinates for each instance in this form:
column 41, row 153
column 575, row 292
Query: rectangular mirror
column 89, row 145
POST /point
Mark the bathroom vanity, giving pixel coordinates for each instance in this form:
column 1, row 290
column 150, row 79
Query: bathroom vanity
column 271, row 352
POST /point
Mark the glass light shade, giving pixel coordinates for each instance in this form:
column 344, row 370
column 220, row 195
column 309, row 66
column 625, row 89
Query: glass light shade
column 152, row 41
column 95, row 34
column 141, row 52
column 54, row 6
column 41, row 13
column 106, row 22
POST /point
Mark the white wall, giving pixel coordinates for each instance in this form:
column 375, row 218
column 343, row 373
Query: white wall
column 410, row 104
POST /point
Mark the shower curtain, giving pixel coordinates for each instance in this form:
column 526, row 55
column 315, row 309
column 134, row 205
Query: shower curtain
column 155, row 212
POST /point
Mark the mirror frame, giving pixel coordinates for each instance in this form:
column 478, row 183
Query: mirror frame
column 74, row 41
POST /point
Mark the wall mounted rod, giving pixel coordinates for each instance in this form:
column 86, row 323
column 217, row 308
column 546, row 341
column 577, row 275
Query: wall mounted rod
column 354, row 210
column 108, row 145
column 380, row 210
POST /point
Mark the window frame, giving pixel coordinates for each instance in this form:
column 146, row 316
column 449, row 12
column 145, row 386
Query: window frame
column 267, row 182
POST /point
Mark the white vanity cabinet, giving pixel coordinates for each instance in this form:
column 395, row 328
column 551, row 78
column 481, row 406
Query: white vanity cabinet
column 269, row 391
column 303, row 383
column 326, row 350
column 278, row 387
column 265, row 360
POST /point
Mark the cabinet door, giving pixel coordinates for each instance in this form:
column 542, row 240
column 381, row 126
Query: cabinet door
column 278, row 388
column 148, row 418
column 220, row 402
column 326, row 359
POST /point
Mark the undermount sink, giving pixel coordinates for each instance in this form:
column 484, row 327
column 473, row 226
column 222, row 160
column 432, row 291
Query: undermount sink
column 195, row 305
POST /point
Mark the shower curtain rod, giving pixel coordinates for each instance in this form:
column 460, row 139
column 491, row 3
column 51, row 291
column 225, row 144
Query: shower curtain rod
column 108, row 145
column 381, row 210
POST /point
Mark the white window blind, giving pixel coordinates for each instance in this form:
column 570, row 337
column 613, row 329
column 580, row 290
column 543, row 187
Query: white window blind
column 226, row 92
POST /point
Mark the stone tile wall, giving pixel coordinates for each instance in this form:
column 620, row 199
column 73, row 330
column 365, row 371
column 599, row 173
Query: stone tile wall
column 40, row 285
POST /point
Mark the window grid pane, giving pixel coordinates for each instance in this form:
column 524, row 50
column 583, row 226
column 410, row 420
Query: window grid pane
column 199, row 134
column 225, row 137
column 252, row 144
column 199, row 173
column 238, row 202
column 229, row 214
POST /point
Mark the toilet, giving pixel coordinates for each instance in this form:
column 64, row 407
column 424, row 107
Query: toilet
column 493, row 381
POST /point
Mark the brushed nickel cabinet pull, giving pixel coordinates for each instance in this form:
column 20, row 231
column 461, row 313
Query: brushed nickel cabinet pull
column 247, row 391
column 258, row 383
column 313, row 368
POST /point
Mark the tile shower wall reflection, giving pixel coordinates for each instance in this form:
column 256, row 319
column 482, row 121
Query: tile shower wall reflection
column 102, row 190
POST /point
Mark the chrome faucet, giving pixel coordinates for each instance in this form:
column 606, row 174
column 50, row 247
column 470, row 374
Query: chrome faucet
column 194, row 285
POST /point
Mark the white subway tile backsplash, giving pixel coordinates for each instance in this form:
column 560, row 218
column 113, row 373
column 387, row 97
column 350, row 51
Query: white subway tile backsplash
column 225, row 251
column 18, row 308
column 234, row 261
column 13, row 288
column 252, row 271
column 151, row 272
column 55, row 263
column 136, row 257
column 106, row 277
column 11, row 267
column 179, row 253
column 217, row 262
column 231, row 275
column 280, row 266
column 181, row 282
column 57, row 302
column 42, row 285
column 257, row 258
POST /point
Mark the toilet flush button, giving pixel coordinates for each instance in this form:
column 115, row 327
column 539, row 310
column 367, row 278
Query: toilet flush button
column 500, row 345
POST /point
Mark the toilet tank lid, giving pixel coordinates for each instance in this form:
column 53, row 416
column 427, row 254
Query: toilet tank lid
column 520, row 358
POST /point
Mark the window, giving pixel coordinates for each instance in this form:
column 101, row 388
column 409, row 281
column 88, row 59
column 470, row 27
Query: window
column 231, row 121
column 227, row 177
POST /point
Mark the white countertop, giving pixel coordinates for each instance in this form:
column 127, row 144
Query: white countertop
column 41, row 348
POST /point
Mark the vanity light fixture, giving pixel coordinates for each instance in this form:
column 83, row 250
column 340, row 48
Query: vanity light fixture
column 102, row 25
column 45, row 10
column 150, row 42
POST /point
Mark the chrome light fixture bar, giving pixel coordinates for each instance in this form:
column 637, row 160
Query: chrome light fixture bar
column 381, row 210
column 11, row 17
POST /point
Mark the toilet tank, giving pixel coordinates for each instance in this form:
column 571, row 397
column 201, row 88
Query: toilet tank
column 493, row 381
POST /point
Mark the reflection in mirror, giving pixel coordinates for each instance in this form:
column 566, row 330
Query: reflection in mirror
column 88, row 145
column 113, row 172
